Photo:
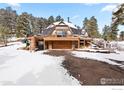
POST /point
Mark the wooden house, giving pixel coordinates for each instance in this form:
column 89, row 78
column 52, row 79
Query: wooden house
column 61, row 35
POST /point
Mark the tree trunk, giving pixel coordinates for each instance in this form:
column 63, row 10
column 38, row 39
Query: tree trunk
column 5, row 40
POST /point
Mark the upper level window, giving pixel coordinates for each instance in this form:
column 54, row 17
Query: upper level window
column 61, row 33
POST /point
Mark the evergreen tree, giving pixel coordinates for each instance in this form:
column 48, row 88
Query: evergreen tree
column 23, row 24
column 4, row 31
column 33, row 24
column 50, row 20
column 106, row 33
column 122, row 35
column 8, row 18
column 91, row 26
column 117, row 19
column 42, row 24
column 85, row 23
column 114, row 32
column 113, row 35
column 59, row 18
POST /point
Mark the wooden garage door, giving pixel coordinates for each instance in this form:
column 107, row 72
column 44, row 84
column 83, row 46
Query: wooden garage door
column 62, row 45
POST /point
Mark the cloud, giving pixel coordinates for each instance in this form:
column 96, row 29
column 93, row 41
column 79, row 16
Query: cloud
column 15, row 6
column 74, row 17
column 109, row 7
column 91, row 4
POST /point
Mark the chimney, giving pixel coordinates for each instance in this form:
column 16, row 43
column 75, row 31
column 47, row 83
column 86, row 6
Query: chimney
column 68, row 20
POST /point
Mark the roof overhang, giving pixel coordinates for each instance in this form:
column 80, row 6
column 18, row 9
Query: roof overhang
column 61, row 38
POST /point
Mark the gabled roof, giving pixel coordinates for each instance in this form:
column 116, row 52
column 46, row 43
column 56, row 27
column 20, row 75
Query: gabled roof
column 62, row 23
column 74, row 29
column 84, row 33
column 48, row 31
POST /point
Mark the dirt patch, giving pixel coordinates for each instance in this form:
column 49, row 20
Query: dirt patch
column 23, row 48
column 58, row 52
column 90, row 72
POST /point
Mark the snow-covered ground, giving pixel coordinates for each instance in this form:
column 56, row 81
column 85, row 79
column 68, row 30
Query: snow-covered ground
column 20, row 67
column 117, row 45
column 119, row 55
column 111, row 58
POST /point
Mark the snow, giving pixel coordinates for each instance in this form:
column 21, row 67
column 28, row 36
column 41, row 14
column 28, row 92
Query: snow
column 14, row 39
column 56, row 23
column 102, row 56
column 20, row 67
column 70, row 25
column 50, row 26
column 117, row 8
column 117, row 45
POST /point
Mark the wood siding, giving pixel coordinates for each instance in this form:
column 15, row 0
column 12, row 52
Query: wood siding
column 62, row 45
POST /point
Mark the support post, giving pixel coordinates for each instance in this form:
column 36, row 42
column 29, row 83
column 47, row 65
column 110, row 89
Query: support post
column 44, row 45
column 84, row 43
column 78, row 43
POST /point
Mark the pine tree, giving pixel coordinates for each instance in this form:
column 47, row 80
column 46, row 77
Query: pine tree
column 106, row 33
column 59, row 18
column 122, row 35
column 8, row 18
column 113, row 35
column 42, row 24
column 91, row 26
column 85, row 23
column 50, row 20
column 23, row 24
column 94, row 27
column 4, row 31
column 117, row 19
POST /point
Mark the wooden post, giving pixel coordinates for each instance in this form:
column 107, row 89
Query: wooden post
column 73, row 45
column 84, row 43
column 78, row 43
column 44, row 45
column 50, row 45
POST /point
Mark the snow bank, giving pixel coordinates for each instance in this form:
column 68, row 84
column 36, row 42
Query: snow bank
column 119, row 45
column 102, row 57
column 25, row 68
column 14, row 39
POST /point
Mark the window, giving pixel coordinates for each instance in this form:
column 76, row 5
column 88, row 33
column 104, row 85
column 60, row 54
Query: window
column 61, row 34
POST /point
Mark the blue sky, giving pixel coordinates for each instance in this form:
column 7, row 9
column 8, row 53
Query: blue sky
column 76, row 12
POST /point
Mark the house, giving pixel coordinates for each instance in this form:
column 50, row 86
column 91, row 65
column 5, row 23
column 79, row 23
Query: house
column 61, row 35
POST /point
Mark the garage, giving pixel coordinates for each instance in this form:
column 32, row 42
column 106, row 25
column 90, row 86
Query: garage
column 62, row 45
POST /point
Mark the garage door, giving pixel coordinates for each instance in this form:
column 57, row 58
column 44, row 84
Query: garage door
column 62, row 45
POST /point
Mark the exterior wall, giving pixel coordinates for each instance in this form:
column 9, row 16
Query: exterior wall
column 84, row 43
column 33, row 44
column 61, row 44
column 62, row 28
column 58, row 43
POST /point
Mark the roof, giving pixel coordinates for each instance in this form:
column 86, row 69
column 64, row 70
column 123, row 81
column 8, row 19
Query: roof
column 74, row 29
column 59, row 23
column 61, row 38
column 84, row 33
column 48, row 31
